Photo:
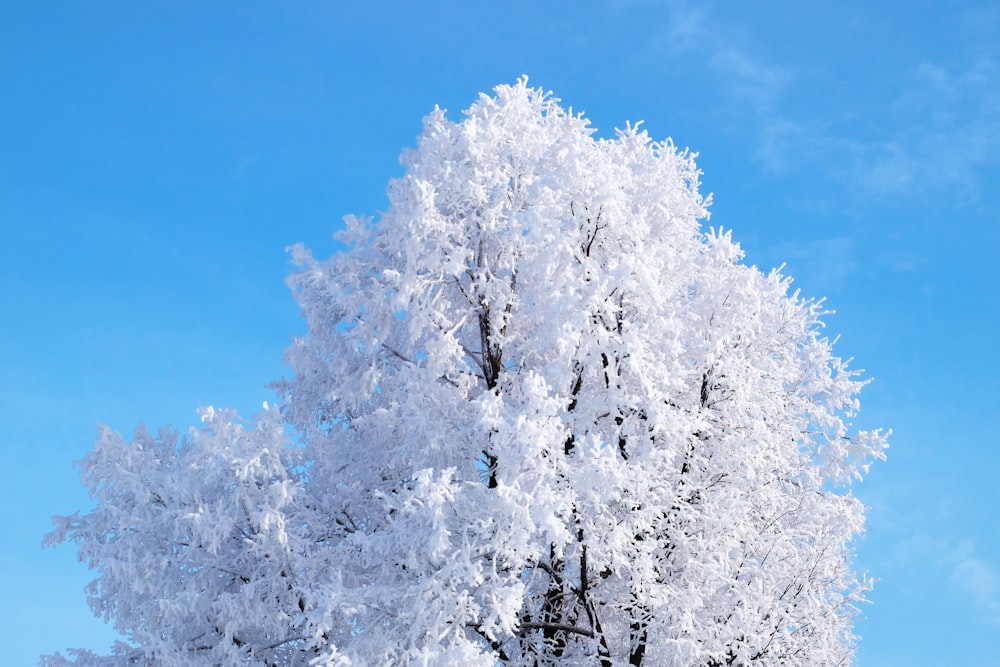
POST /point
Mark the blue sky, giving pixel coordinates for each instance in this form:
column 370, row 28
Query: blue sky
column 156, row 158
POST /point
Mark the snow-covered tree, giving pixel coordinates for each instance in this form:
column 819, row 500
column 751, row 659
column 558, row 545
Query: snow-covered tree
column 542, row 417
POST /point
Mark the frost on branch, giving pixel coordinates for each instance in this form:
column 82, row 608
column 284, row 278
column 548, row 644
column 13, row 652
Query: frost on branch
column 546, row 418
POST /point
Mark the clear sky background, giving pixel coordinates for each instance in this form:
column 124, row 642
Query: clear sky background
column 156, row 158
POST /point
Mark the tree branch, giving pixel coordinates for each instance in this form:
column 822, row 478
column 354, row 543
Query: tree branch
column 557, row 627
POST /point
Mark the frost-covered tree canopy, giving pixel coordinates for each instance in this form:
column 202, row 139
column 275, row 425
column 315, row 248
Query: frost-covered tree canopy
column 542, row 417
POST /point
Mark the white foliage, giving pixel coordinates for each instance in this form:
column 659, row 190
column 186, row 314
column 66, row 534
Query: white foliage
column 545, row 419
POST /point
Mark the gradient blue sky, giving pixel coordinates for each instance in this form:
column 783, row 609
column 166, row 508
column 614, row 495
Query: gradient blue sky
column 157, row 157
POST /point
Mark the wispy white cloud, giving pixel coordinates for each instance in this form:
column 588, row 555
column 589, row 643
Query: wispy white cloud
column 900, row 261
column 886, row 167
column 935, row 128
column 946, row 128
column 825, row 263
column 688, row 26
column 980, row 581
column 685, row 28
column 749, row 79
column 963, row 569
column 746, row 78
